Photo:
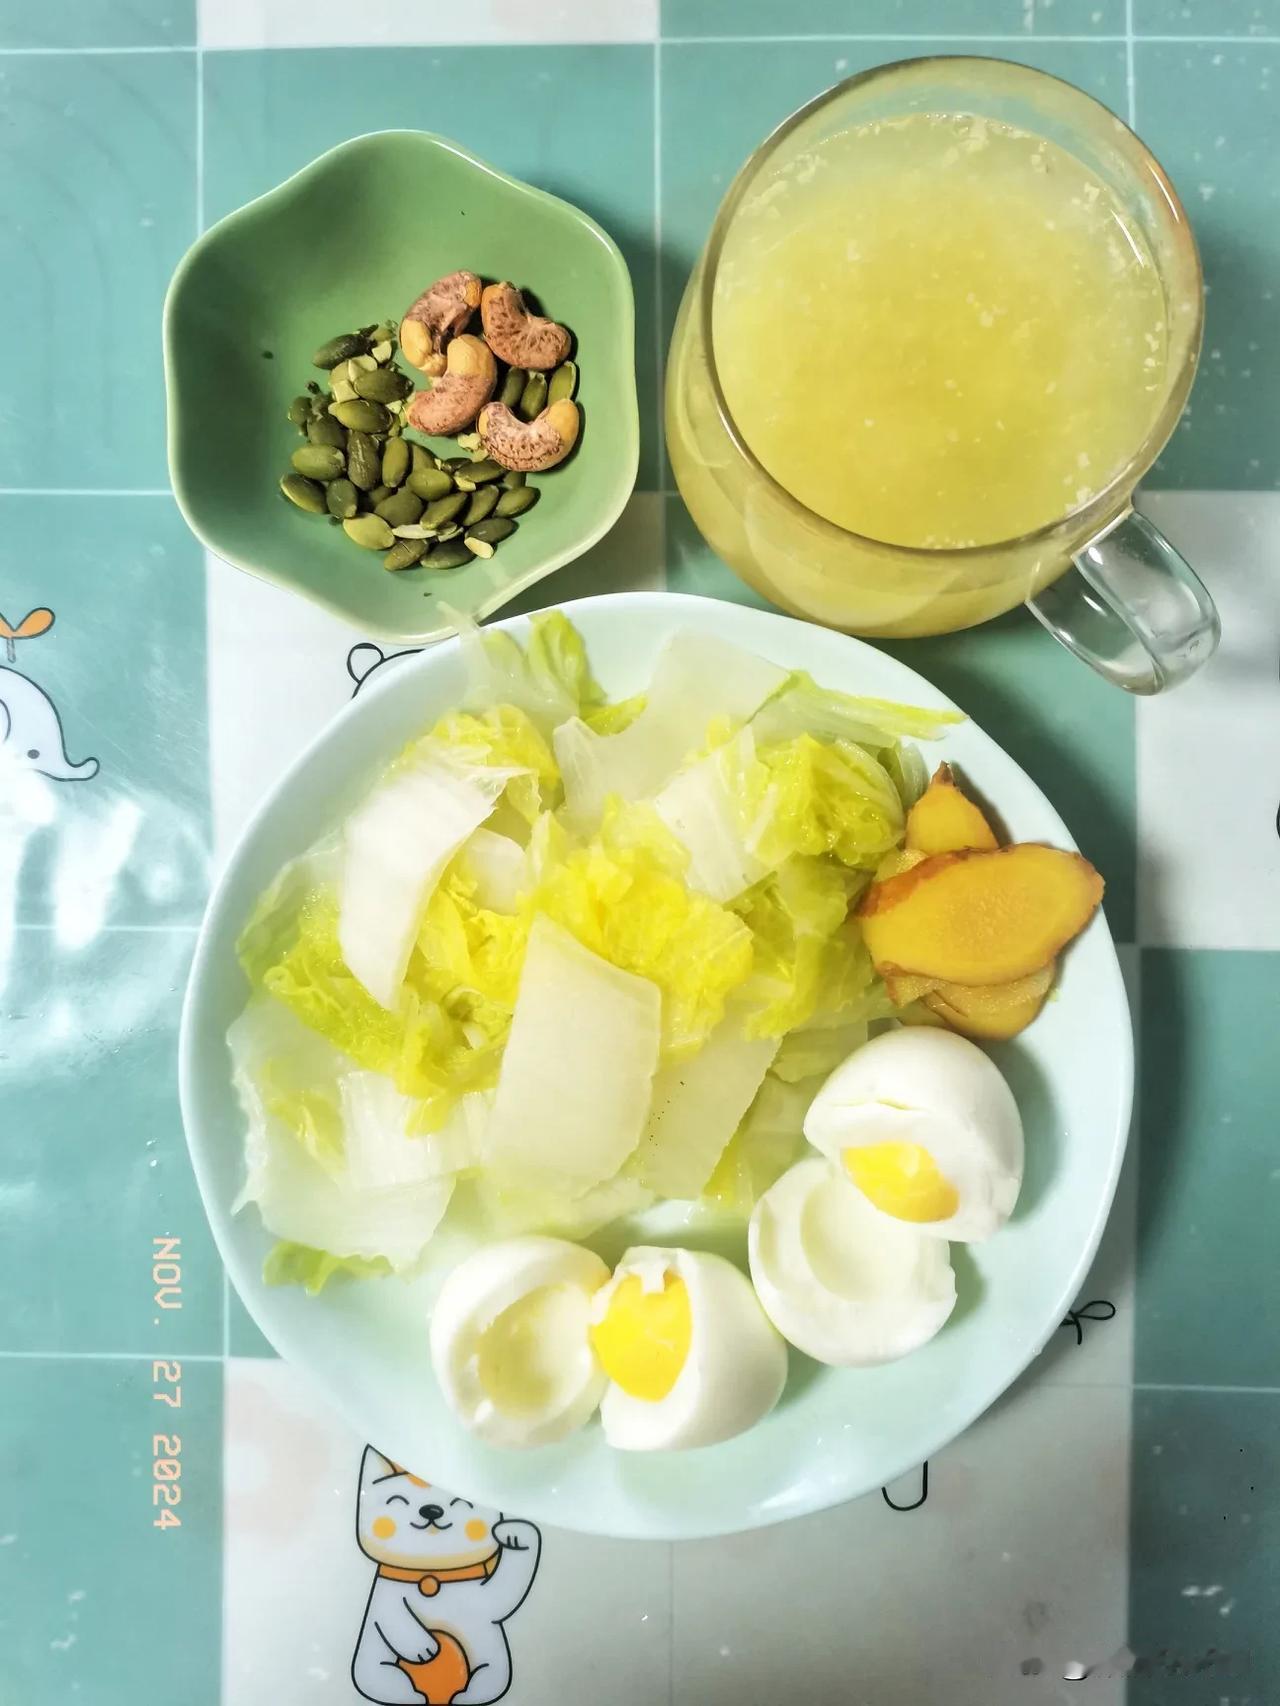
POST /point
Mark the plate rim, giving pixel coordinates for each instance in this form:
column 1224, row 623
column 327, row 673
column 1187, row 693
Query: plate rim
column 816, row 1498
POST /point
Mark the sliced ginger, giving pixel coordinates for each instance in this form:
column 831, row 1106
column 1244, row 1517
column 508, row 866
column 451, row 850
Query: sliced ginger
column 893, row 864
column 995, row 1011
column 980, row 918
column 944, row 820
column 903, row 988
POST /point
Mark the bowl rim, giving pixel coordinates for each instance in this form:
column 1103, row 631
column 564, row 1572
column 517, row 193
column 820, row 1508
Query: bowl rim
column 211, row 941
column 628, row 428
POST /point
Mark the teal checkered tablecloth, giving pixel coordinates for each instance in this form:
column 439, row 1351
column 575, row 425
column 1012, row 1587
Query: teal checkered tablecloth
column 1116, row 1513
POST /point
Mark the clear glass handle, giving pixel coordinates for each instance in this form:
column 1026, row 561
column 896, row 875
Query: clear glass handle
column 1132, row 608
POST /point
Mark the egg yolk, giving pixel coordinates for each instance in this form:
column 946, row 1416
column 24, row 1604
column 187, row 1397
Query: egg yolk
column 903, row 1180
column 644, row 1338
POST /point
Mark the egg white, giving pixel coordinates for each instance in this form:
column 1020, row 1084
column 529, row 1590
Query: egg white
column 472, row 1298
column 844, row 1283
column 933, row 1088
column 734, row 1372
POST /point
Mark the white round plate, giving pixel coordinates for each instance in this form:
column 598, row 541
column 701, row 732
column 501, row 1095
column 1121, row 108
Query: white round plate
column 836, row 1433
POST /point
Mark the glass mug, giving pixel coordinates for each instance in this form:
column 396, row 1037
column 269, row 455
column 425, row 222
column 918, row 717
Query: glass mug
column 1101, row 578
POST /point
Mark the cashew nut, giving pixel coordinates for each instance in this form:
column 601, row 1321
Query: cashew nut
column 516, row 336
column 439, row 314
column 529, row 445
column 456, row 398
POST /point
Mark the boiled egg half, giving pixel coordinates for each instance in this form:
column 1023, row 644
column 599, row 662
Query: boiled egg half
column 927, row 1129
column 510, row 1340
column 689, row 1354
column 844, row 1283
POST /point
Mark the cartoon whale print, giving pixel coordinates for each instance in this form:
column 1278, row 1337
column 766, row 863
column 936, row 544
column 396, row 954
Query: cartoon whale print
column 31, row 731
column 30, row 727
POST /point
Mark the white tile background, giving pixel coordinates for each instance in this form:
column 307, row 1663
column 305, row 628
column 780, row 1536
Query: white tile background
column 1209, row 754
column 1022, row 1540
column 595, row 1625
column 409, row 23
column 1019, row 1554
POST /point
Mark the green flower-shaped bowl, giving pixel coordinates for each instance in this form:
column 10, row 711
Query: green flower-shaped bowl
column 353, row 238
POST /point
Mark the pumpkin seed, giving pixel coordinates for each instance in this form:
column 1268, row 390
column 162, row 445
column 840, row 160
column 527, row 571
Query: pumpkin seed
column 516, row 500
column 483, row 503
column 445, row 509
column 300, row 412
column 399, row 509
column 339, row 349
column 343, row 392
column 383, row 385
column 360, row 364
column 378, row 495
column 363, row 415
column 414, row 531
column 422, row 457
column 493, row 531
column 325, row 430
column 342, row 499
column 450, row 556
column 468, row 441
column 395, row 462
column 370, row 531
column 478, row 474
column 381, row 351
column 318, row 461
column 478, row 547
column 564, row 382
column 429, row 483
column 303, row 492
column 364, row 463
column 513, row 385
column 514, row 477
column 405, row 553
column 451, row 531
column 533, row 399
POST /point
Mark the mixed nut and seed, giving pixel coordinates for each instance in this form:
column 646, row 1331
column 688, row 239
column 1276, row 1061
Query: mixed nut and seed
column 506, row 397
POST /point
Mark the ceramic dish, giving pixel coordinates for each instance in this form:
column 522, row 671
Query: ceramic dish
column 259, row 291
column 836, row 1433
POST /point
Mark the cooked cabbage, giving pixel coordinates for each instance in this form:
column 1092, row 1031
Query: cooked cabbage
column 567, row 956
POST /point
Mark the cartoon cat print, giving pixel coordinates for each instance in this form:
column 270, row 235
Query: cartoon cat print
column 449, row 1575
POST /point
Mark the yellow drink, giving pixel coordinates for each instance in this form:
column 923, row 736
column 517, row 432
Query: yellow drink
column 939, row 331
